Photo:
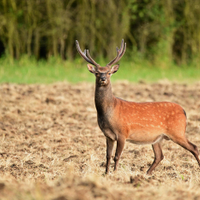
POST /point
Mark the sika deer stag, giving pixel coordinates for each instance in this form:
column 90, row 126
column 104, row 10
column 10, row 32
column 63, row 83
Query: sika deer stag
column 140, row 123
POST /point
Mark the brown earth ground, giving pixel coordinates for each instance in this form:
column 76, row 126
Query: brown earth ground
column 52, row 148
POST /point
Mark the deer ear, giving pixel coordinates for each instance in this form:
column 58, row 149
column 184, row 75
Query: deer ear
column 114, row 68
column 91, row 68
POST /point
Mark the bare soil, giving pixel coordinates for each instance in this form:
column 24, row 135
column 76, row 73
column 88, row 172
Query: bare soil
column 52, row 148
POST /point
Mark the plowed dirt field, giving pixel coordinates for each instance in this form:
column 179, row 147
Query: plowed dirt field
column 51, row 146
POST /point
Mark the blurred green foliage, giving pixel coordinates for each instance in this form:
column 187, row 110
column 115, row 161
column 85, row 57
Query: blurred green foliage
column 29, row 70
column 157, row 30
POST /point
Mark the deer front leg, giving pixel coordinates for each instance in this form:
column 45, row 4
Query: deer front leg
column 120, row 146
column 110, row 144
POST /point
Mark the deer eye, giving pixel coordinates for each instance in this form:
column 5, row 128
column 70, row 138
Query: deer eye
column 109, row 73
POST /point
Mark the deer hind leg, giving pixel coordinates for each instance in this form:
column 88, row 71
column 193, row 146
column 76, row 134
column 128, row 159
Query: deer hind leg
column 120, row 147
column 110, row 144
column 158, row 157
column 186, row 144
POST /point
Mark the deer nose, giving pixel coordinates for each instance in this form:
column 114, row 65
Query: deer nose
column 103, row 78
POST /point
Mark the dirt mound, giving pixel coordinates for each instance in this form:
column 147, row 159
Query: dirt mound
column 52, row 148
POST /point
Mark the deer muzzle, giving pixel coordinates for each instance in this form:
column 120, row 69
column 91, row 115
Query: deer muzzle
column 103, row 80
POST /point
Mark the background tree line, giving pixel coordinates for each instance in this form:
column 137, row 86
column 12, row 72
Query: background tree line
column 153, row 29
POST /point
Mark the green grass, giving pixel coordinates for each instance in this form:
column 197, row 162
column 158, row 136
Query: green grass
column 28, row 70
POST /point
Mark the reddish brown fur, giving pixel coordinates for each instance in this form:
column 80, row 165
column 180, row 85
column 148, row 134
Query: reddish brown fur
column 140, row 123
column 155, row 118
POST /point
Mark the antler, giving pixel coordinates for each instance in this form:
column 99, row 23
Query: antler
column 86, row 55
column 120, row 53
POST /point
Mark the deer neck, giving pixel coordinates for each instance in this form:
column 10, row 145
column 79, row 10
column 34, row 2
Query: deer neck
column 104, row 99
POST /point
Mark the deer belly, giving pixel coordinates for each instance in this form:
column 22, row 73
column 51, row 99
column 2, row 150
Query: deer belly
column 145, row 137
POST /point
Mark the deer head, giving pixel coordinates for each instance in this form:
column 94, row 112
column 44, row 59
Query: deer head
column 102, row 74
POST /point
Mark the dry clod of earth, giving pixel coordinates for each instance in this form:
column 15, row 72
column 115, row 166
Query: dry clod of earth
column 51, row 146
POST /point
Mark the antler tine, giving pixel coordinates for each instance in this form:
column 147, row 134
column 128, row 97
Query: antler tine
column 88, row 54
column 83, row 54
column 120, row 53
column 122, row 46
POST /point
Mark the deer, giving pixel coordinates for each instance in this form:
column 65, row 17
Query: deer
column 136, row 122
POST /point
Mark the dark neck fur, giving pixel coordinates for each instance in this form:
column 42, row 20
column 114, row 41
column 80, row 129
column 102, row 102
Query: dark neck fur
column 104, row 99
